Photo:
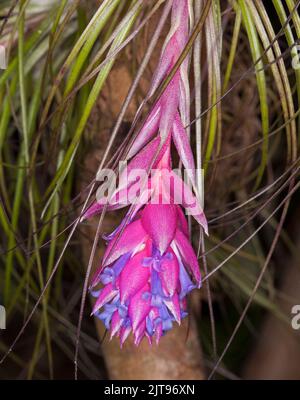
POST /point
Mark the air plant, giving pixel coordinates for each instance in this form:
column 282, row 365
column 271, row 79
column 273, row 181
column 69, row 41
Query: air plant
column 148, row 264
column 224, row 96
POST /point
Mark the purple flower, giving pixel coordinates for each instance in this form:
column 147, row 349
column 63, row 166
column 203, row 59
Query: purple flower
column 147, row 271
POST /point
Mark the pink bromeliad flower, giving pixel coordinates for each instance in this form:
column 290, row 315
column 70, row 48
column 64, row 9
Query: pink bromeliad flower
column 149, row 265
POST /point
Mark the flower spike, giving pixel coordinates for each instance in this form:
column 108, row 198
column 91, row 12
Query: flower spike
column 149, row 265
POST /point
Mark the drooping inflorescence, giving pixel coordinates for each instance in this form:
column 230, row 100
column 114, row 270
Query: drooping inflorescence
column 149, row 265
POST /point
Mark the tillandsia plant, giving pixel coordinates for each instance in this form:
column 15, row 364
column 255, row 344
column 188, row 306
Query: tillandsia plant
column 158, row 86
column 149, row 266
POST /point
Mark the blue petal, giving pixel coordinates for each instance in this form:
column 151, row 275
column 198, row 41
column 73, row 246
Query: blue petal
column 167, row 325
column 185, row 281
column 120, row 263
column 149, row 326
